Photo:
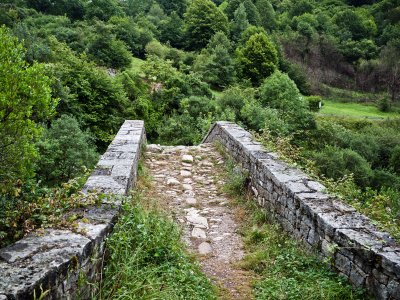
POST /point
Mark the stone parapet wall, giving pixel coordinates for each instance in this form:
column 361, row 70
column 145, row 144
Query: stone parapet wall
column 368, row 257
column 61, row 263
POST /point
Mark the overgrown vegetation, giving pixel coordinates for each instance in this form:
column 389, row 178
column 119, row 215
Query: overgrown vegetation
column 181, row 65
column 347, row 175
column 286, row 270
column 35, row 208
column 147, row 259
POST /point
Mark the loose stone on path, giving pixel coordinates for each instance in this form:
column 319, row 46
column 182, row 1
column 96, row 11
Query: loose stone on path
column 198, row 233
column 204, row 248
column 187, row 158
column 173, row 181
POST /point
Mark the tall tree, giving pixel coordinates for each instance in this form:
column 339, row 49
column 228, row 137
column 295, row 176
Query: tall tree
column 239, row 23
column 267, row 14
column 253, row 15
column 171, row 30
column 25, row 101
column 178, row 6
column 391, row 68
column 136, row 7
column 202, row 20
column 74, row 9
column 257, row 59
column 156, row 14
column 215, row 63
column 104, row 9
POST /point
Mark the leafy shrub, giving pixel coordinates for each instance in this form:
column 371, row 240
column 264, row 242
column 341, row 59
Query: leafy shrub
column 296, row 73
column 336, row 163
column 134, row 36
column 157, row 49
column 280, row 92
column 110, row 52
column 235, row 98
column 28, row 207
column 394, row 160
column 328, row 132
column 198, row 106
column 64, row 151
column 183, row 129
column 384, row 104
column 385, row 179
column 314, row 102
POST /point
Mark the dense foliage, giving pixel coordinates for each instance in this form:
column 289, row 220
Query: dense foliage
column 83, row 67
column 25, row 102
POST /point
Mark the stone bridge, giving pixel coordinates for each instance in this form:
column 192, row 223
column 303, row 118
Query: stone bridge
column 55, row 260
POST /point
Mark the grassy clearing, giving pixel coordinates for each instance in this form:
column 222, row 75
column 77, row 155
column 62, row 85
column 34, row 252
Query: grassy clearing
column 344, row 95
column 216, row 94
column 355, row 110
column 147, row 258
column 285, row 269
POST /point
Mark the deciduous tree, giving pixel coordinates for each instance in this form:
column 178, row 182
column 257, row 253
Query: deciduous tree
column 64, row 151
column 25, row 102
column 202, row 20
column 239, row 23
column 257, row 59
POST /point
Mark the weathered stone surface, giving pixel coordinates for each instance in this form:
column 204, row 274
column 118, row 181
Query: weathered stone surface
column 53, row 259
column 198, row 233
column 205, row 248
column 367, row 256
column 187, row 158
column 197, row 221
column 154, row 148
column 187, row 187
column 33, row 245
column 191, row 201
column 173, row 181
column 185, row 173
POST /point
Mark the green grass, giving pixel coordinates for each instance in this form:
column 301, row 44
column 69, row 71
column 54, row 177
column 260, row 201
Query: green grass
column 344, row 95
column 217, row 94
column 136, row 64
column 148, row 259
column 285, row 269
column 355, row 110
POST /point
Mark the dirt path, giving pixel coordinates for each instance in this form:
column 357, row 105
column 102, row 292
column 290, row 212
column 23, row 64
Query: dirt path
column 188, row 184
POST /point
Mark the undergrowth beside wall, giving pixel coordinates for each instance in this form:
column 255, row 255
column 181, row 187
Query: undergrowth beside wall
column 286, row 270
column 382, row 207
column 29, row 207
column 147, row 258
